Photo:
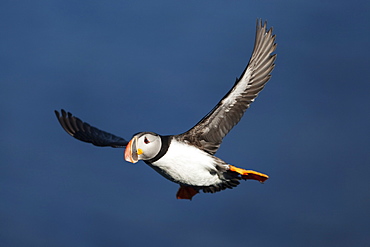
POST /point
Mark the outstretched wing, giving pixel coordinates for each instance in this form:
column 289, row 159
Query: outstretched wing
column 87, row 133
column 208, row 133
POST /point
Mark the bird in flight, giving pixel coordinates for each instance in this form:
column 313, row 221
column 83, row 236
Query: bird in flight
column 188, row 158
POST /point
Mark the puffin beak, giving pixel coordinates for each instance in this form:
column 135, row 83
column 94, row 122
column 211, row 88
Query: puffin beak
column 131, row 153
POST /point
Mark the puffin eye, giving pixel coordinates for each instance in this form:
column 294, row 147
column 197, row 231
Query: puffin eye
column 146, row 141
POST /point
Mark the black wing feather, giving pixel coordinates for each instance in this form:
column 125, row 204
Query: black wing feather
column 208, row 133
column 87, row 133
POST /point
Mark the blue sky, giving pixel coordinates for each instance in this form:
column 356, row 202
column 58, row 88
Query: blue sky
column 161, row 66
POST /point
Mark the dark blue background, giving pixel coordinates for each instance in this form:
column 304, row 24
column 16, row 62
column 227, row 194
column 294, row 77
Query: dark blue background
column 160, row 66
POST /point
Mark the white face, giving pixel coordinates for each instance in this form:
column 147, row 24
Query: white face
column 148, row 146
column 143, row 146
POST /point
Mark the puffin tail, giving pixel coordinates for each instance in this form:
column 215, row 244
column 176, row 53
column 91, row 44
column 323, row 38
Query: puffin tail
column 249, row 174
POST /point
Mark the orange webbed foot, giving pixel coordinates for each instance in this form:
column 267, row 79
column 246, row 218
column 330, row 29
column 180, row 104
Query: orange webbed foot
column 186, row 192
column 249, row 174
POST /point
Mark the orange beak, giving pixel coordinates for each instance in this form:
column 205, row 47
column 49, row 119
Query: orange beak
column 131, row 154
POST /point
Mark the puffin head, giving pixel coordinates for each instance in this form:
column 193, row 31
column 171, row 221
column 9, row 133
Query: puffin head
column 143, row 146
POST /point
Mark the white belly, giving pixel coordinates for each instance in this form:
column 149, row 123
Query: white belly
column 188, row 165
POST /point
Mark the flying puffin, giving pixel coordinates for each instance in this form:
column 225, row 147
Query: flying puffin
column 188, row 158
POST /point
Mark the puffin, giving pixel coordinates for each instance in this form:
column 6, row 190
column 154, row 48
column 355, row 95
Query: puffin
column 188, row 159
